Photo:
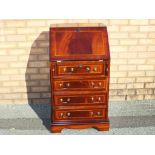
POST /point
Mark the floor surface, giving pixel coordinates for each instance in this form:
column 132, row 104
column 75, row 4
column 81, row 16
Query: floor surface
column 126, row 118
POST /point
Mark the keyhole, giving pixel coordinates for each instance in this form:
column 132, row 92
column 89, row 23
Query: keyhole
column 78, row 30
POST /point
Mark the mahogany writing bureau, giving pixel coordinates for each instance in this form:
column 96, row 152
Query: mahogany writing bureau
column 80, row 72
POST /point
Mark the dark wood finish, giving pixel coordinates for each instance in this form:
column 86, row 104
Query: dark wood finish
column 80, row 84
column 79, row 114
column 80, row 72
column 80, row 67
column 79, row 43
column 99, row 126
column 79, row 99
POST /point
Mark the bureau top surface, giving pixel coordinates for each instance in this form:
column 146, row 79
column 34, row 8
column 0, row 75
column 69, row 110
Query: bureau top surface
column 79, row 42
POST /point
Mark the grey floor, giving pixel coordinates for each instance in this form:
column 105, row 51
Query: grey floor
column 126, row 118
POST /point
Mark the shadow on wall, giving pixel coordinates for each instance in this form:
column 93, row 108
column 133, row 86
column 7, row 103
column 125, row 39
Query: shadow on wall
column 38, row 78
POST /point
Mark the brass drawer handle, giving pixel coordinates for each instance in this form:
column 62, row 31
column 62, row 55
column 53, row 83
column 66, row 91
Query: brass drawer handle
column 100, row 83
column 62, row 101
column 94, row 69
column 92, row 83
column 72, row 69
column 87, row 69
column 92, row 98
column 95, row 84
column 68, row 99
column 68, row 84
column 61, row 114
column 98, row 113
column 99, row 99
column 65, row 69
column 68, row 114
column 60, row 84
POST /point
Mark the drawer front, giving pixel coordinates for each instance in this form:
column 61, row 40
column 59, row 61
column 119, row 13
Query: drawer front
column 80, row 114
column 79, row 100
column 77, row 69
column 80, row 84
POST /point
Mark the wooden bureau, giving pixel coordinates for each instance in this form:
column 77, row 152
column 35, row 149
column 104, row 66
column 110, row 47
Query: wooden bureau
column 80, row 72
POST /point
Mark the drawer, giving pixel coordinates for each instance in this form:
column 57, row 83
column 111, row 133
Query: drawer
column 77, row 68
column 80, row 100
column 80, row 84
column 80, row 114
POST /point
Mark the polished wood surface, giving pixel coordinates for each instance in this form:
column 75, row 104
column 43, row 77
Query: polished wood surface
column 80, row 84
column 79, row 43
column 79, row 114
column 99, row 126
column 75, row 100
column 80, row 72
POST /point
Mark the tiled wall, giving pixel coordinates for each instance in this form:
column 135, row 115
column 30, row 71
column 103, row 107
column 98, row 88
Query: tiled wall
column 24, row 55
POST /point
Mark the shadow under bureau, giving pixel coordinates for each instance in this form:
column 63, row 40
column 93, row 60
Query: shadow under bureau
column 79, row 73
